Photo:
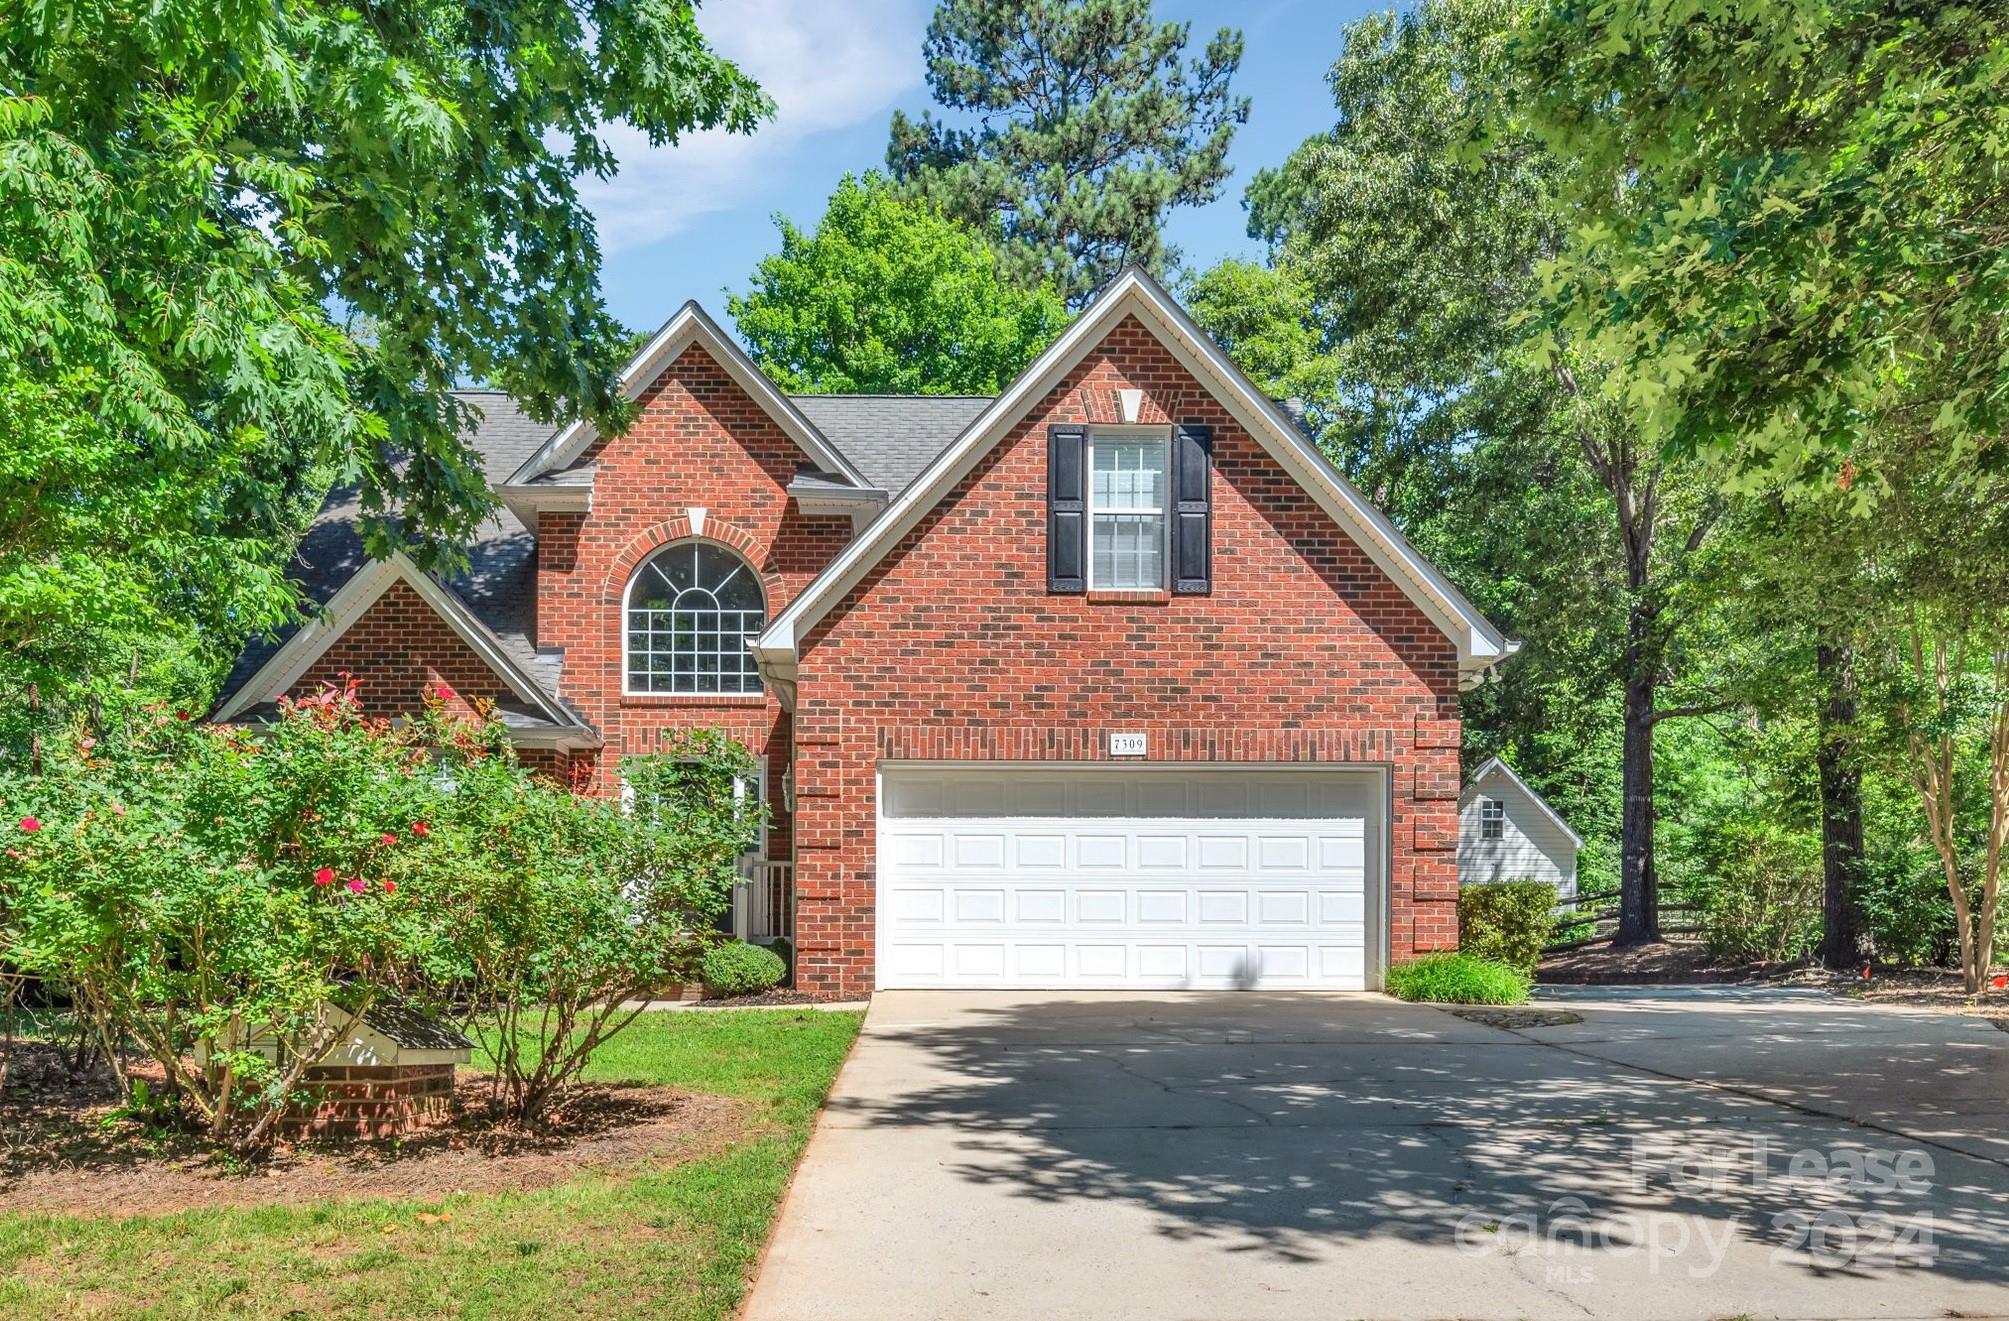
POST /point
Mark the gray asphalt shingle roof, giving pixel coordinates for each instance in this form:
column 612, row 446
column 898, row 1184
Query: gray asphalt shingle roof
column 889, row 438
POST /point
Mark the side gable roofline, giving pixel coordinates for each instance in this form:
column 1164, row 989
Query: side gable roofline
column 692, row 325
column 1495, row 766
column 1480, row 645
column 284, row 667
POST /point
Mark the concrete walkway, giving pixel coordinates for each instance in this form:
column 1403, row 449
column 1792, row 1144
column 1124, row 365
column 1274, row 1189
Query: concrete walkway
column 1304, row 1157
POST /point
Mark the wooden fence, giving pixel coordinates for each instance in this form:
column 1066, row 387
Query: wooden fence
column 1574, row 918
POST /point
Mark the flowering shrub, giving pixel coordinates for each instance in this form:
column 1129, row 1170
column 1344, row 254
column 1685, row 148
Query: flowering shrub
column 199, row 889
column 180, row 879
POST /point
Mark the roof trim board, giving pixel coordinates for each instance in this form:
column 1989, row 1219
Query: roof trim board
column 1495, row 766
column 692, row 325
column 1480, row 645
column 308, row 644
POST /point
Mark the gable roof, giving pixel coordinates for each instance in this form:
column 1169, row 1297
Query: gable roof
column 284, row 665
column 1479, row 644
column 1497, row 769
column 691, row 325
column 498, row 587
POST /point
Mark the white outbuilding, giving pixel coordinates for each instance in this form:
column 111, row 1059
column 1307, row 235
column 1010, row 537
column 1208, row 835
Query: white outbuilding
column 1506, row 832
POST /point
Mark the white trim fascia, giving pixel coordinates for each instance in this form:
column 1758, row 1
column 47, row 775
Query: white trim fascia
column 285, row 666
column 568, row 738
column 527, row 502
column 1541, row 804
column 692, row 325
column 1479, row 644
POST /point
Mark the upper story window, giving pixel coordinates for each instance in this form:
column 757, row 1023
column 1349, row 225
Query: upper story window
column 692, row 607
column 1129, row 478
column 1492, row 819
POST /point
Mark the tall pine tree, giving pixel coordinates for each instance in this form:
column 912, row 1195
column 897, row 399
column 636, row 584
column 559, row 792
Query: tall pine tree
column 1085, row 125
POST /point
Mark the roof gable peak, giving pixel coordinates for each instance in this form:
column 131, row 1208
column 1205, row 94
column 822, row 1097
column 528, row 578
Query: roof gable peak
column 692, row 325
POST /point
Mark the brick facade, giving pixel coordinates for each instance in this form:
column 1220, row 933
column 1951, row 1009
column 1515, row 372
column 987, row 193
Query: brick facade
column 700, row 442
column 952, row 648
column 399, row 650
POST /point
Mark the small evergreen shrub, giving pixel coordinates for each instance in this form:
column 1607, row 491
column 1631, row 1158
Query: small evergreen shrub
column 737, row 968
column 1461, row 979
column 1508, row 921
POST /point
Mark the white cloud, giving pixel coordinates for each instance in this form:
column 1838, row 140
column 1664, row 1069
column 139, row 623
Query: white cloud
column 827, row 63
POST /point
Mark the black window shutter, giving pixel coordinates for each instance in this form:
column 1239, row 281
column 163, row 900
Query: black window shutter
column 1066, row 509
column 1192, row 508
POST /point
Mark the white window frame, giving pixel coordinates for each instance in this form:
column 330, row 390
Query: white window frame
column 628, row 689
column 1492, row 819
column 1164, row 510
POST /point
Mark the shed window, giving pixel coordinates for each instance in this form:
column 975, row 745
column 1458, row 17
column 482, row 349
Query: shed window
column 1492, row 819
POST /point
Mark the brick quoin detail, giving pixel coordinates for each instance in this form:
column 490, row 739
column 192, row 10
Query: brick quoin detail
column 952, row 649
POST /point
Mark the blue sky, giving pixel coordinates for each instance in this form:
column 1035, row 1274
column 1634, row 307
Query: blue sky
column 691, row 221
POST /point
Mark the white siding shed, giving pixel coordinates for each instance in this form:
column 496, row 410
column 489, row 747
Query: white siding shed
column 1506, row 832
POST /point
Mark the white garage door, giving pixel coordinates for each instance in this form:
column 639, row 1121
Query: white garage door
column 1129, row 876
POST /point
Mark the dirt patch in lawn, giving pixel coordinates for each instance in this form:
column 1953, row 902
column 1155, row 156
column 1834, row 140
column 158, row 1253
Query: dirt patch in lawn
column 64, row 1149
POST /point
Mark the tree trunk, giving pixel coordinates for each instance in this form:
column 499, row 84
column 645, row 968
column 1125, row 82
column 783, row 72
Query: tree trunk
column 1639, row 885
column 1842, row 944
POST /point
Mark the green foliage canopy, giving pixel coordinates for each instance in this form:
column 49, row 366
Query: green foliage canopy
column 1789, row 220
column 889, row 296
column 1087, row 126
column 246, row 248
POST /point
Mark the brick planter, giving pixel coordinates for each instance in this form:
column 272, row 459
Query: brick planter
column 369, row 1101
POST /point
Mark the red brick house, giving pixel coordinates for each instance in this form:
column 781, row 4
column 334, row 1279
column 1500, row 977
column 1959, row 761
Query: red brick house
column 1108, row 681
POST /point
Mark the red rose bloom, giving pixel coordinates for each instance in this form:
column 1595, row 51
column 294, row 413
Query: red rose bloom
column 30, row 824
column 387, row 838
column 324, row 876
column 421, row 829
column 390, row 887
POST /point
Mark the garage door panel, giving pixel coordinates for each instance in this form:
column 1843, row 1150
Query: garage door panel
column 1042, row 878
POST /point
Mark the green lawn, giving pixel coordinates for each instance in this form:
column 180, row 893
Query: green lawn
column 675, row 1244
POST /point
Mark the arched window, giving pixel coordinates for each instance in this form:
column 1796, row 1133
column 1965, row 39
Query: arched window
column 691, row 609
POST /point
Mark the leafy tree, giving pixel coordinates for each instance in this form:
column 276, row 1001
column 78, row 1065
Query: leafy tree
column 1420, row 251
column 1087, row 128
column 197, row 204
column 1790, row 219
column 889, row 296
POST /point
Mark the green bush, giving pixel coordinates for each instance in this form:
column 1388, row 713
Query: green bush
column 1461, row 979
column 1508, row 921
column 196, row 890
column 738, row 968
column 1764, row 902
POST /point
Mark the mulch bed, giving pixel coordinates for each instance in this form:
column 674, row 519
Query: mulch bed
column 1512, row 1019
column 1670, row 963
column 63, row 1150
column 1660, row 963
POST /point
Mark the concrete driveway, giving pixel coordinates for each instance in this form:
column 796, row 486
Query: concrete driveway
column 1243, row 1156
